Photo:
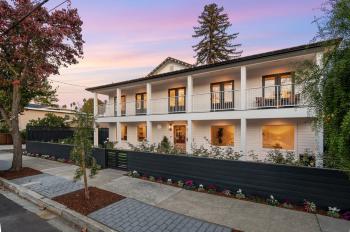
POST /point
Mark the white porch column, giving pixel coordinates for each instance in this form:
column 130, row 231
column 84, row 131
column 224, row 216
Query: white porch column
column 189, row 93
column 95, row 115
column 243, row 87
column 118, row 103
column 119, row 132
column 319, row 130
column 243, row 138
column 95, row 135
column 149, row 97
column 112, row 132
column 95, row 104
column 149, row 131
column 189, row 137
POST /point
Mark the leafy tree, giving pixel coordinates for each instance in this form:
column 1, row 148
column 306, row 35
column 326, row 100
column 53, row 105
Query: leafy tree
column 216, row 43
column 50, row 120
column 31, row 52
column 81, row 153
column 327, row 88
column 88, row 106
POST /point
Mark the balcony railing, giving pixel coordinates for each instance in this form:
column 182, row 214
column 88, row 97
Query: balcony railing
column 216, row 101
column 277, row 96
column 168, row 105
column 256, row 98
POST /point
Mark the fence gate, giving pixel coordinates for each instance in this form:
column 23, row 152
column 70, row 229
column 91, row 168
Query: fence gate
column 116, row 159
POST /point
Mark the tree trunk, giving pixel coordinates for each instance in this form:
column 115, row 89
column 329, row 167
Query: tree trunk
column 16, row 136
column 83, row 166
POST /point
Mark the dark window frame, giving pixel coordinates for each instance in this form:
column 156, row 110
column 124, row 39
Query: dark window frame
column 277, row 77
column 174, row 109
column 143, row 108
column 214, row 106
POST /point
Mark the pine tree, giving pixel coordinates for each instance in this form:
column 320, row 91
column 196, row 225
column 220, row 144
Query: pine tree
column 216, row 44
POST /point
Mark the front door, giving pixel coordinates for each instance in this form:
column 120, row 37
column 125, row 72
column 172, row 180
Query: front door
column 180, row 137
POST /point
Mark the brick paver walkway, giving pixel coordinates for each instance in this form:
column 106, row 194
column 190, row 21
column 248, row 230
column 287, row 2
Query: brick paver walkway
column 48, row 185
column 130, row 215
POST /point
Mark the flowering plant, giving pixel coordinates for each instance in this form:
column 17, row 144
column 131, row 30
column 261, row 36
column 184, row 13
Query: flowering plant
column 227, row 192
column 239, row 194
column 272, row 201
column 287, row 204
column 309, row 206
column 169, row 181
column 135, row 174
column 201, row 188
column 333, row 212
column 152, row 178
column 346, row 215
column 159, row 180
column 180, row 183
column 211, row 188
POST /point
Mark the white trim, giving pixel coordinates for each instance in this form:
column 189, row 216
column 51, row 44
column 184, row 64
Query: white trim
column 50, row 110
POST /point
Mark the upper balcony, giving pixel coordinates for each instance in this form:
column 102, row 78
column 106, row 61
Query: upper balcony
column 269, row 97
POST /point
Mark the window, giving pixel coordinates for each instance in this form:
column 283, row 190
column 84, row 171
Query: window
column 123, row 105
column 124, row 131
column 177, row 99
column 141, row 103
column 278, row 136
column 141, row 133
column 279, row 86
column 222, row 135
column 222, row 95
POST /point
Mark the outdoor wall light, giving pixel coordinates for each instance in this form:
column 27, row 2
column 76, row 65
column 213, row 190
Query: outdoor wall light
column 170, row 126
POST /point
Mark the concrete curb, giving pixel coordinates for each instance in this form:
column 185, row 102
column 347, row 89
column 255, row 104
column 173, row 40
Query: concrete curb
column 69, row 215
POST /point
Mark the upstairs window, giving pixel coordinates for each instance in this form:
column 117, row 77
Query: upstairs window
column 141, row 103
column 177, row 100
column 123, row 105
column 222, row 95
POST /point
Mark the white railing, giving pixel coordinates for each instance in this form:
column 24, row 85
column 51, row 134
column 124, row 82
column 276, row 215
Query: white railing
column 168, row 105
column 106, row 110
column 276, row 96
column 133, row 108
column 256, row 98
column 216, row 101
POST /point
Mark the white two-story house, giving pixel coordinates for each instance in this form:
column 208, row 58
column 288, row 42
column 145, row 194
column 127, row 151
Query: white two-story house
column 250, row 103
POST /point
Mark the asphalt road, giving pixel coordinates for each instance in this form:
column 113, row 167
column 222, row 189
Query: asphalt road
column 14, row 218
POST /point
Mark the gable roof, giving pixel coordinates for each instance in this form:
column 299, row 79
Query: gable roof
column 169, row 60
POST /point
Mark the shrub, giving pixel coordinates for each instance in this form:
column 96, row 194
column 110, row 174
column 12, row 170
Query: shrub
column 226, row 192
column 152, row 178
column 211, row 188
column 346, row 215
column 169, row 181
column 287, row 204
column 333, row 212
column 135, row 174
column 272, row 201
column 310, row 206
column 201, row 188
column 180, row 183
column 239, row 194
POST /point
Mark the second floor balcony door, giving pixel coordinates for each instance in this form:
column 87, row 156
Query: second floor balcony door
column 222, row 96
column 177, row 100
column 278, row 90
column 141, row 103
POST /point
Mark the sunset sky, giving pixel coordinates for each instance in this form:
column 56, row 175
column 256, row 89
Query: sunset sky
column 126, row 39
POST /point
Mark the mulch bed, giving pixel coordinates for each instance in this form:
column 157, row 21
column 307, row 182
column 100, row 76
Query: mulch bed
column 10, row 175
column 99, row 198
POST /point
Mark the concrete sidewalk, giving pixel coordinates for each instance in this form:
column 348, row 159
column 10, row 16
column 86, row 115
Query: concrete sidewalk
column 242, row 215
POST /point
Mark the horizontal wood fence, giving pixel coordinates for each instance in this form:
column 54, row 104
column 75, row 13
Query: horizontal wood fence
column 62, row 151
column 325, row 187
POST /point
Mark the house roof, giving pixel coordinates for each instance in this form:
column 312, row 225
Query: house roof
column 169, row 60
column 223, row 63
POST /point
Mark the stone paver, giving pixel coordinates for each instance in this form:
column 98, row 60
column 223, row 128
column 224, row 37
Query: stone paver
column 48, row 185
column 131, row 215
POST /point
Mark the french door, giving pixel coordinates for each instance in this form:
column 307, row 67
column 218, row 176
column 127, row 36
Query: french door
column 278, row 90
column 222, row 95
column 177, row 100
column 141, row 103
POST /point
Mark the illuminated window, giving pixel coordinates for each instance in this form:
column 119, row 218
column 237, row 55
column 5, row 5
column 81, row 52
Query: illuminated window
column 123, row 104
column 222, row 95
column 124, row 132
column 141, row 132
column 177, row 99
column 141, row 103
column 222, row 135
column 278, row 136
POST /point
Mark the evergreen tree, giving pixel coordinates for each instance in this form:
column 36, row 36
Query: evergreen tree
column 215, row 44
